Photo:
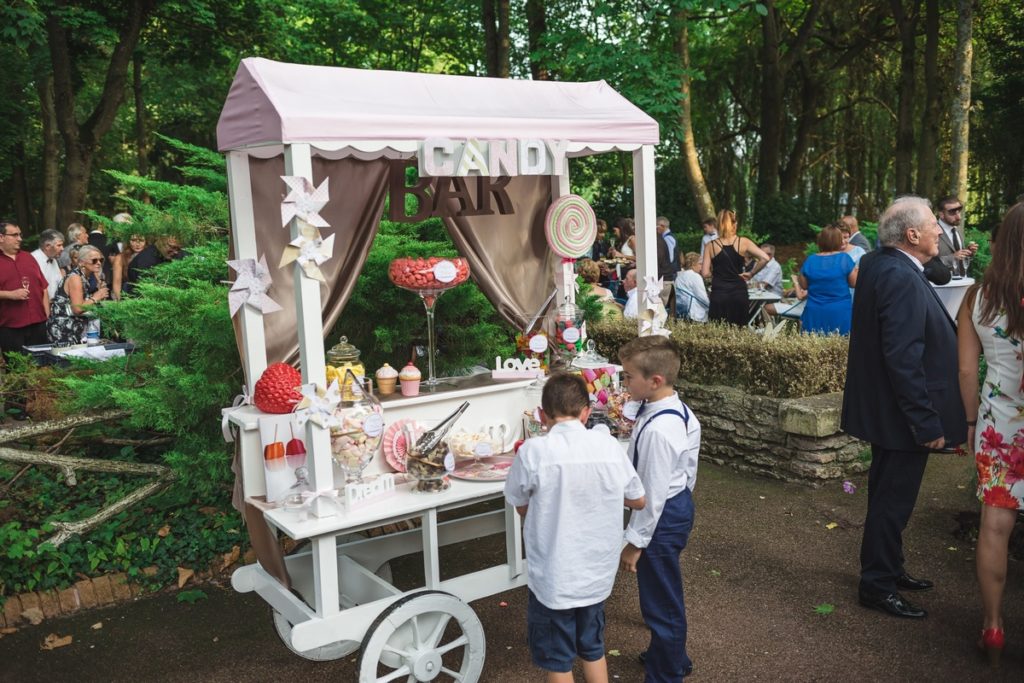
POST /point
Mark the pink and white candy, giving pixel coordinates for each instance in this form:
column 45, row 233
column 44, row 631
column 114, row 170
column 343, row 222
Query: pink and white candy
column 570, row 226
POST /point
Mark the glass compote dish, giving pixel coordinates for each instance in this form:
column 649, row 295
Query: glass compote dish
column 356, row 436
column 430, row 278
column 428, row 458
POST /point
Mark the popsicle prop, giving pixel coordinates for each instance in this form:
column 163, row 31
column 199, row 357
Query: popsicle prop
column 295, row 451
column 274, row 454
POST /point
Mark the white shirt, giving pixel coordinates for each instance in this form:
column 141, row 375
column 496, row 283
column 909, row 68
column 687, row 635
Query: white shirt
column 630, row 310
column 771, row 274
column 51, row 271
column 913, row 259
column 574, row 480
column 705, row 240
column 667, row 463
column 626, row 250
column 690, row 288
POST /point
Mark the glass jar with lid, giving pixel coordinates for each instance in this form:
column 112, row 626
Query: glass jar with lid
column 568, row 334
column 341, row 358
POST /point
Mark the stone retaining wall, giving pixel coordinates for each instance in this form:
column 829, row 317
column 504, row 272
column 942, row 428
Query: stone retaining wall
column 795, row 439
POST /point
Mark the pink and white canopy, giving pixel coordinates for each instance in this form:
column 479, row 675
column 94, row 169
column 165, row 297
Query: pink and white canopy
column 274, row 103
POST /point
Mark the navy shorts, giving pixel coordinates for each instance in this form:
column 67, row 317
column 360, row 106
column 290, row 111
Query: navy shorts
column 558, row 636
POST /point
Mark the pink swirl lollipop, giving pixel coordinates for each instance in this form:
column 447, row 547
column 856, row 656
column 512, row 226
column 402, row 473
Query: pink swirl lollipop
column 570, row 226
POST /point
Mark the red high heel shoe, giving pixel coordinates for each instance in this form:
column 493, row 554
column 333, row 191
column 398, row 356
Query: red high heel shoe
column 992, row 642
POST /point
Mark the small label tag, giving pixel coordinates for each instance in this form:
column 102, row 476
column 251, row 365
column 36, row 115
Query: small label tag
column 539, row 343
column 449, row 461
column 373, row 425
column 483, row 450
column 571, row 335
column 445, row 271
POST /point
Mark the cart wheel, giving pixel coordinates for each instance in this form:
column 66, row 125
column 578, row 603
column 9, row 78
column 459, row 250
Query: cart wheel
column 324, row 653
column 405, row 641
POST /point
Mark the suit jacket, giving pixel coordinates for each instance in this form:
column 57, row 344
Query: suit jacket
column 902, row 388
column 946, row 244
column 859, row 240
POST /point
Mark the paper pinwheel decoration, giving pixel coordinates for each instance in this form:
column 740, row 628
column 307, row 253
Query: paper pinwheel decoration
column 318, row 404
column 310, row 252
column 251, row 285
column 304, row 202
column 653, row 316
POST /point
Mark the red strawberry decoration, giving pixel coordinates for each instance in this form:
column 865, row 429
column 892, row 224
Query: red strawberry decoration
column 276, row 390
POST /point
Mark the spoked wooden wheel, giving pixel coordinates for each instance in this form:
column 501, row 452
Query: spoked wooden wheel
column 425, row 636
column 324, row 653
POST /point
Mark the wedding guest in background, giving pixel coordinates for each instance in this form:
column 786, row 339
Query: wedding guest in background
column 770, row 277
column 723, row 263
column 857, row 238
column 691, row 294
column 51, row 246
column 121, row 285
column 77, row 234
column 827, row 278
column 68, row 319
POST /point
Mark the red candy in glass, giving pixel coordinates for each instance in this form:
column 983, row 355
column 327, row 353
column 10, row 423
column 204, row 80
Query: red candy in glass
column 417, row 274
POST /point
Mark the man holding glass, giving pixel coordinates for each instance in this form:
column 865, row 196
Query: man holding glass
column 954, row 251
column 24, row 301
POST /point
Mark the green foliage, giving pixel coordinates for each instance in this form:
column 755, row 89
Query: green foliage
column 191, row 596
column 386, row 322
column 785, row 221
column 787, row 366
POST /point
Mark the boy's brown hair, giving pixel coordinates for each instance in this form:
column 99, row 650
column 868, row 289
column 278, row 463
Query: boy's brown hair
column 564, row 395
column 654, row 355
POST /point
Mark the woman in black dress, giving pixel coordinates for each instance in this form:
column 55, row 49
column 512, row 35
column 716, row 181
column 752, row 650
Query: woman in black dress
column 723, row 263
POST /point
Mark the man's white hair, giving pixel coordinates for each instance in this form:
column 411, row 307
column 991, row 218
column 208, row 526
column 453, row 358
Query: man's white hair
column 903, row 214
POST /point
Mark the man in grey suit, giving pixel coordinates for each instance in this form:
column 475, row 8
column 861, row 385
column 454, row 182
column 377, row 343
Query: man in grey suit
column 901, row 393
column 952, row 245
column 857, row 238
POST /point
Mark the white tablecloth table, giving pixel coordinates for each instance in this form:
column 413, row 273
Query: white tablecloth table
column 953, row 293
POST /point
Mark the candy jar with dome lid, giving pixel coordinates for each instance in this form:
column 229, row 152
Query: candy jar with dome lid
column 567, row 340
column 357, row 429
column 343, row 357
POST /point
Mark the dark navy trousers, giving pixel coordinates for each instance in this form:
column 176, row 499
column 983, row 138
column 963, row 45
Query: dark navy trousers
column 661, row 592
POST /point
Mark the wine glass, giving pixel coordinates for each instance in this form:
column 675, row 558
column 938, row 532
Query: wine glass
column 24, row 283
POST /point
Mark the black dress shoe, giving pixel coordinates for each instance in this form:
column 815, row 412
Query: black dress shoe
column 909, row 583
column 893, row 604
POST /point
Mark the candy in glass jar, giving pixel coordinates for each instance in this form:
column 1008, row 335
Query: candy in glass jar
column 356, row 432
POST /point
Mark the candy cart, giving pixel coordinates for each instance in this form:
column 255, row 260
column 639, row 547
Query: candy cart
column 295, row 125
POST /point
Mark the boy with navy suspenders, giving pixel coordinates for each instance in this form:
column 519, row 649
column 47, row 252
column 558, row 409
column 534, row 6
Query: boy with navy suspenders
column 664, row 449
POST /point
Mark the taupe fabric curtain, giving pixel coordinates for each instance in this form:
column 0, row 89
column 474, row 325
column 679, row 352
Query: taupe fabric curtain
column 357, row 189
column 509, row 258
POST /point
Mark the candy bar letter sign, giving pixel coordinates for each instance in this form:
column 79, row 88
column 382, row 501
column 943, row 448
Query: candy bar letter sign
column 446, row 157
column 445, row 196
column 514, row 368
column 363, row 494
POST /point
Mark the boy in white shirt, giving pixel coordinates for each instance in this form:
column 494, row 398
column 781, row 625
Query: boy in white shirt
column 570, row 486
column 664, row 449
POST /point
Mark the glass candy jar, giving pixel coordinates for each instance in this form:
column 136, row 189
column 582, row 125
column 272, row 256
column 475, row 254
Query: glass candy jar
column 342, row 358
column 430, row 468
column 357, row 430
column 567, row 340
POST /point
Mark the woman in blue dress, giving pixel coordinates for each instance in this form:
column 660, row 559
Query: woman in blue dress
column 827, row 278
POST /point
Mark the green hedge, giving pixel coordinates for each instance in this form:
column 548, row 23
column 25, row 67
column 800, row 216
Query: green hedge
column 787, row 366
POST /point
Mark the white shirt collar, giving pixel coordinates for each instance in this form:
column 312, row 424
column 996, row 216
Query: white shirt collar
column 567, row 425
column 913, row 259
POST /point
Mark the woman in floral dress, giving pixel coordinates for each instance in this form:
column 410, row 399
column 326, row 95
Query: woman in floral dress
column 81, row 287
column 991, row 323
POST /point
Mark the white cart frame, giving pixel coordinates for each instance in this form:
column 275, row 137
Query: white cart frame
column 341, row 599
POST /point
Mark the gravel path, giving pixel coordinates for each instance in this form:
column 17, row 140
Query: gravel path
column 759, row 562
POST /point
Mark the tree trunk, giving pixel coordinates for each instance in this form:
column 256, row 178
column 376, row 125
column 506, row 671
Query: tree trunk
column 810, row 93
column 691, row 162
column 536, row 26
column 772, row 84
column 22, row 202
column 962, row 97
column 906, row 23
column 81, row 140
column 928, row 146
column 141, row 138
column 490, row 36
column 51, row 155
column 504, row 68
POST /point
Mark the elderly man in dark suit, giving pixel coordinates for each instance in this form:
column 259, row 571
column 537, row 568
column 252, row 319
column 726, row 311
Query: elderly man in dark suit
column 901, row 393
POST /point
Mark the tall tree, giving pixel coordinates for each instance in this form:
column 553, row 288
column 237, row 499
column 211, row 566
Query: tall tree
column 536, row 27
column 691, row 162
column 82, row 139
column 927, row 150
column 50, row 153
column 962, row 97
column 906, row 26
column 777, row 57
